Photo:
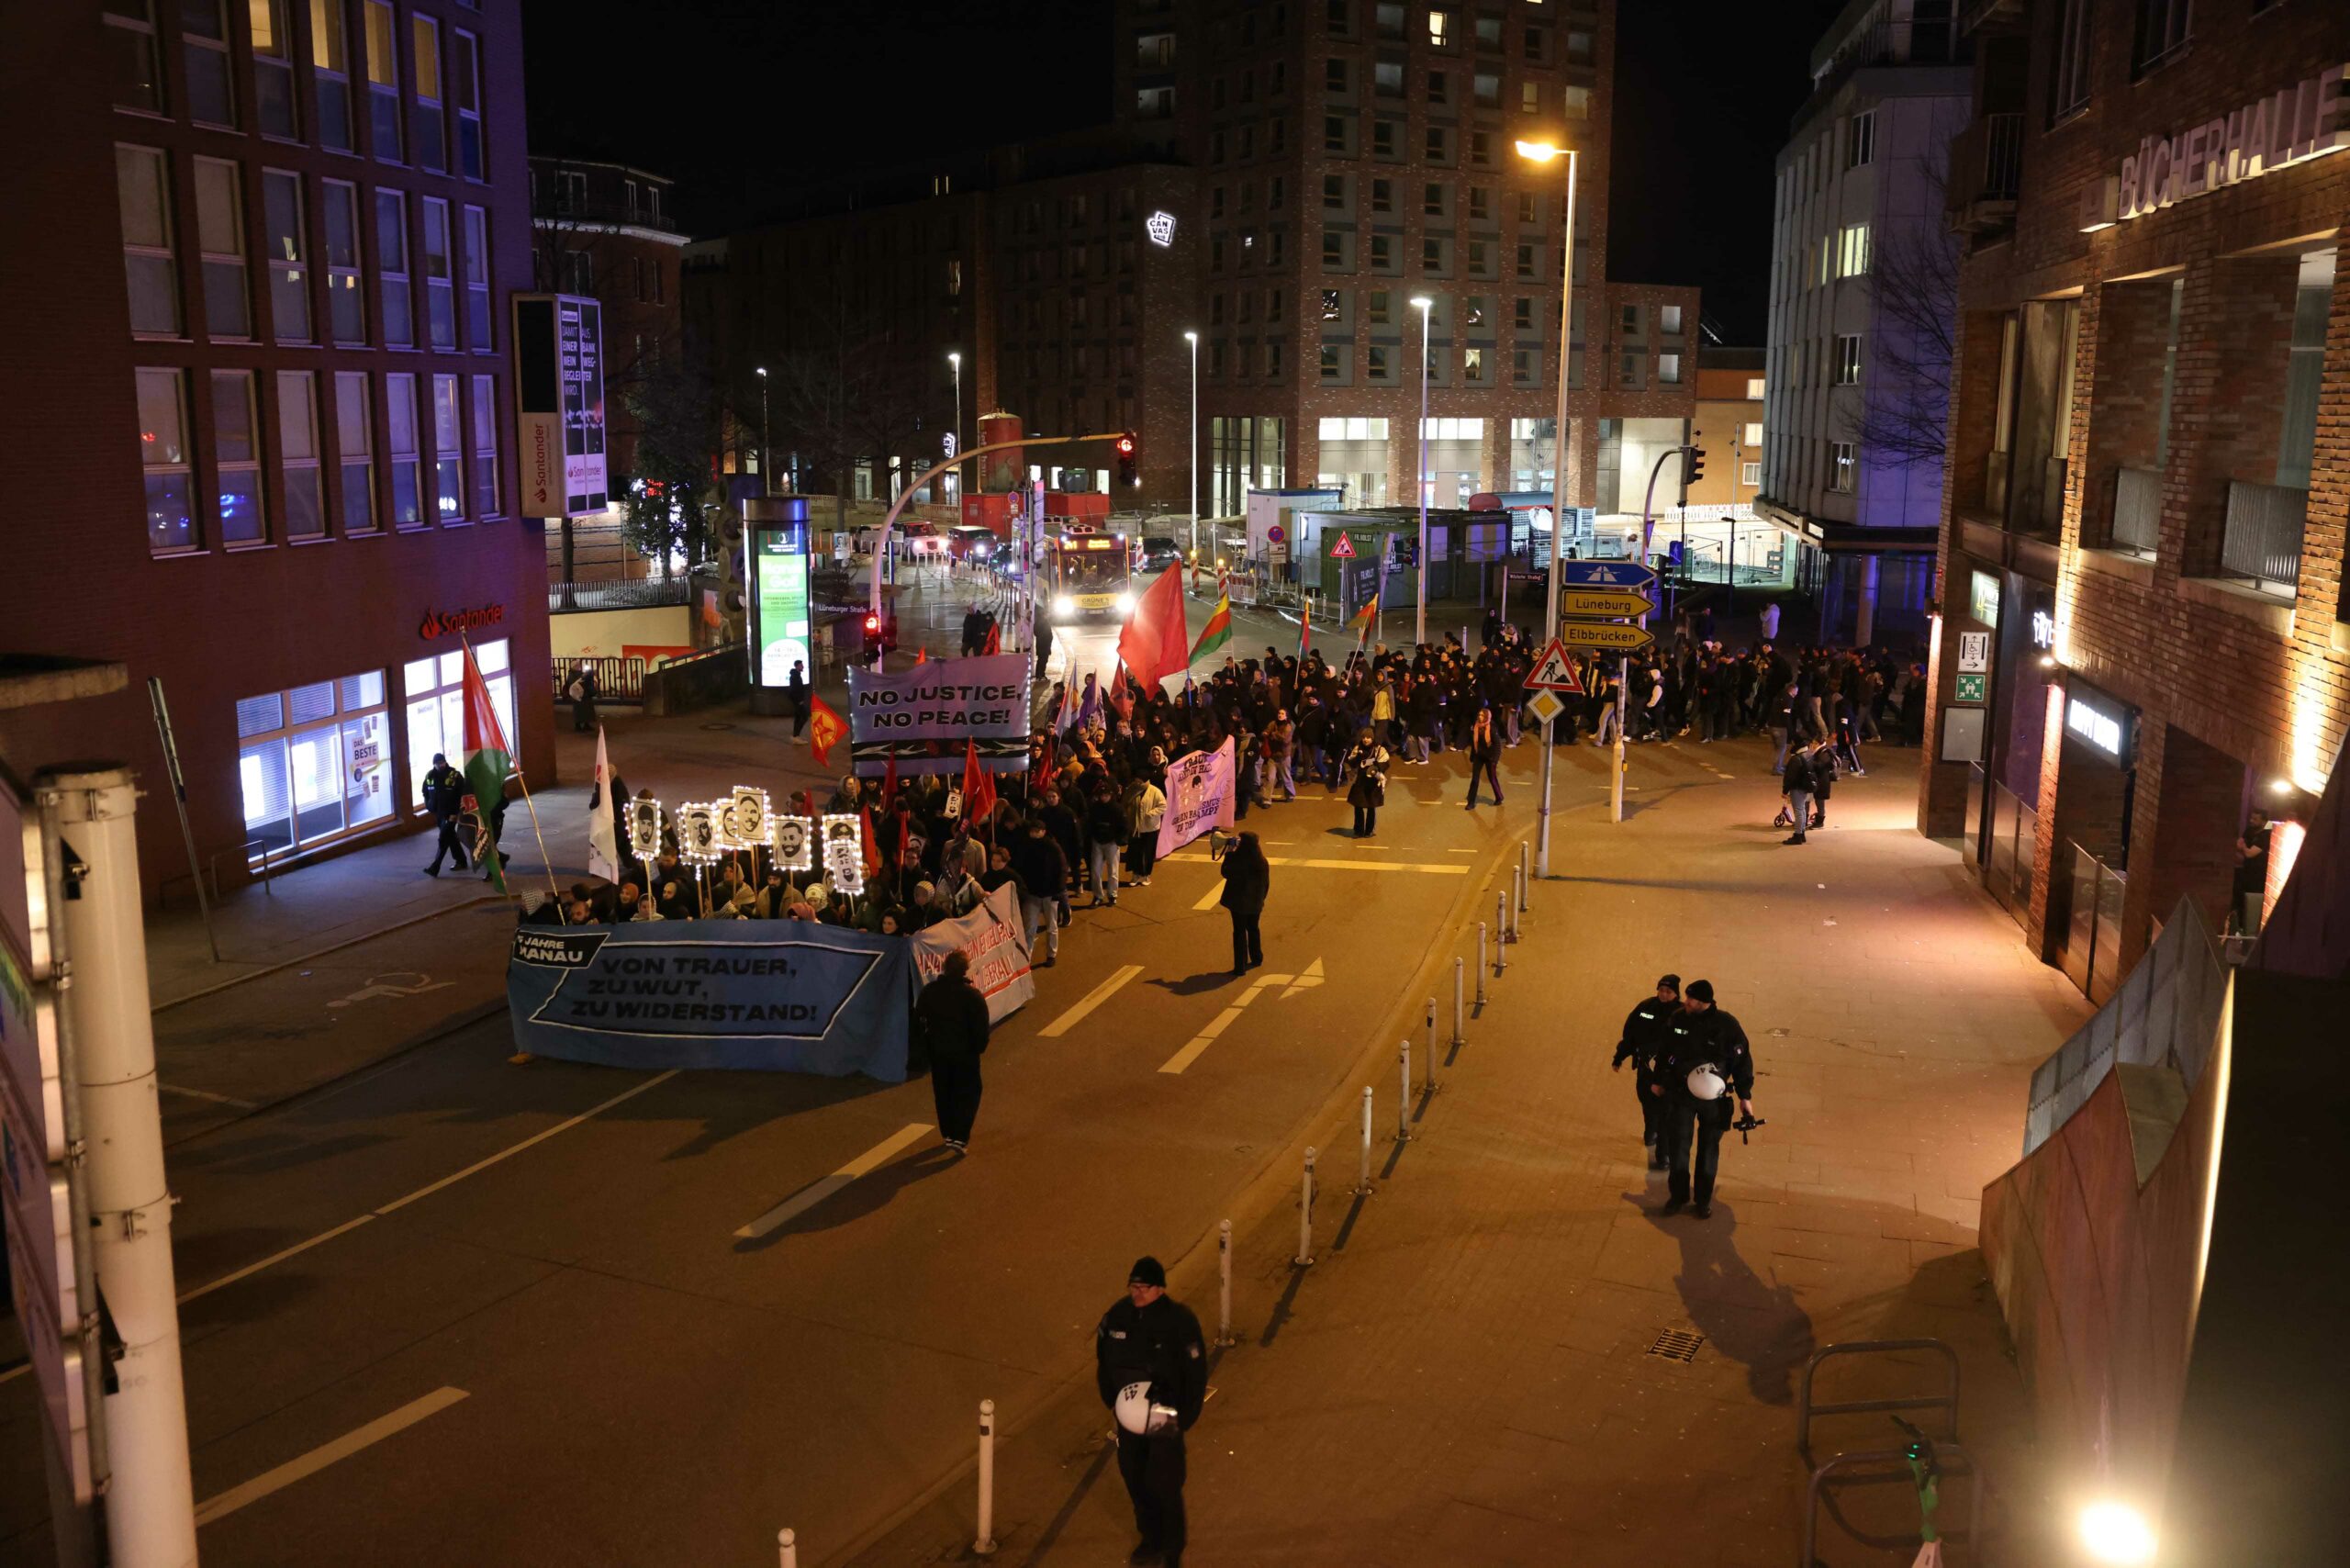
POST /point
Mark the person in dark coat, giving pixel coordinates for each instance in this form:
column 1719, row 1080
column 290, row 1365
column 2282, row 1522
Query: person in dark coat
column 445, row 797
column 796, row 689
column 1367, row 765
column 1248, row 878
column 1151, row 1338
column 951, row 1026
column 1485, row 757
column 1644, row 1032
column 1701, row 1034
column 582, row 692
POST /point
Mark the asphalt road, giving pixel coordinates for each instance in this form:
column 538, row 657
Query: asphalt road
column 508, row 1308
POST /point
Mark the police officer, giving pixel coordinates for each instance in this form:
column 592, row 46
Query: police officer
column 1644, row 1034
column 445, row 797
column 1701, row 1037
column 1151, row 1338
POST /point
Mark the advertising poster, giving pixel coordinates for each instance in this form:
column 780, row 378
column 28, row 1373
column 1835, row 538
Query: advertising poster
column 780, row 585
column 773, row 996
column 992, row 938
column 927, row 716
column 1199, row 797
column 559, row 403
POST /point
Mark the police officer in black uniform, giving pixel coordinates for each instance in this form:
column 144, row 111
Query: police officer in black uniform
column 1701, row 1034
column 445, row 797
column 1644, row 1030
column 1151, row 1338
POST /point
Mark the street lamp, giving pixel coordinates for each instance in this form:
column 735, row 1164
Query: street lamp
column 954, row 361
column 1420, row 618
column 767, row 484
column 1544, row 152
column 1193, row 338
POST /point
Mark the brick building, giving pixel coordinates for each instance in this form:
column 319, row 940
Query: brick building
column 261, row 444
column 2141, row 633
column 1281, row 180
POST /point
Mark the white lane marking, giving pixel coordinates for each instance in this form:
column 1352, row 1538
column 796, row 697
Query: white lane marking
column 1093, row 999
column 1223, row 1020
column 400, row 1202
column 207, row 1094
column 823, row 1187
column 324, row 1454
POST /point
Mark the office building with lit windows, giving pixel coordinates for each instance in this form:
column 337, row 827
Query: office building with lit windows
column 260, row 433
column 1862, row 273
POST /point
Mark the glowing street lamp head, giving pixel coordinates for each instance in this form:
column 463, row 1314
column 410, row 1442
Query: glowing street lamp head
column 763, row 373
column 2116, row 1533
column 953, row 358
column 1422, row 302
column 1192, row 339
column 1540, row 151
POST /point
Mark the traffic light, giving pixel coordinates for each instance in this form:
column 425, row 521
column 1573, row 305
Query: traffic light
column 872, row 628
column 1693, row 468
column 1125, row 450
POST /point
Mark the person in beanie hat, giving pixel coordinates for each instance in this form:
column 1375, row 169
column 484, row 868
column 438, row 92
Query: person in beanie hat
column 1644, row 1034
column 1701, row 1037
column 1151, row 1339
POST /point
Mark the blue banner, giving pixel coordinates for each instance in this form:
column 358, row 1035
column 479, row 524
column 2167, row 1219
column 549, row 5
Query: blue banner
column 776, row 996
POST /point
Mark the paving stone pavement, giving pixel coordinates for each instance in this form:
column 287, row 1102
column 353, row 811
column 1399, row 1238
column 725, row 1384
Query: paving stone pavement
column 1462, row 1377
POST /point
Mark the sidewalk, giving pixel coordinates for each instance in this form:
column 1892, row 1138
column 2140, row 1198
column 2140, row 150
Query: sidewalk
column 1465, row 1374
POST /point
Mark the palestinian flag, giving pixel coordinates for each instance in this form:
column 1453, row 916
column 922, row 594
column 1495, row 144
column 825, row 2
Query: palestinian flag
column 1217, row 633
column 1363, row 619
column 1304, row 632
column 486, row 763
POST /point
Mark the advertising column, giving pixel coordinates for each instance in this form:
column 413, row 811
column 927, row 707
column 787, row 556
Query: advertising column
column 776, row 540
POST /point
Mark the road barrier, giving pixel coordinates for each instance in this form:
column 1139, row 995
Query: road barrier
column 1459, row 1016
column 1305, row 1214
column 1403, row 1097
column 1362, row 1181
column 787, row 1544
column 1223, row 1335
column 984, row 1545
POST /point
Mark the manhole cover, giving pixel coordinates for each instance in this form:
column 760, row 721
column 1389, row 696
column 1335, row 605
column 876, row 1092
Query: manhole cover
column 721, row 724
column 1677, row 1345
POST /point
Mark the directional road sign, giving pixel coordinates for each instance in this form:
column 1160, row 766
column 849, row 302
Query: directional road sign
column 1553, row 671
column 1603, row 634
column 1603, row 601
column 1603, row 574
column 1545, row 706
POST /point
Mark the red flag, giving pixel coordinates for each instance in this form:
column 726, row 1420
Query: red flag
column 995, row 639
column 978, row 786
column 824, row 730
column 1156, row 643
column 872, row 844
column 1122, row 701
column 890, row 783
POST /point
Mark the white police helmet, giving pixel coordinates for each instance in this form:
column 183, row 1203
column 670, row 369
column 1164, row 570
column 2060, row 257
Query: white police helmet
column 1136, row 1414
column 1706, row 1081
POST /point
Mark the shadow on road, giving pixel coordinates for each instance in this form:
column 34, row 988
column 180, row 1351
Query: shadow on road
column 1193, row 985
column 1759, row 1326
column 854, row 1202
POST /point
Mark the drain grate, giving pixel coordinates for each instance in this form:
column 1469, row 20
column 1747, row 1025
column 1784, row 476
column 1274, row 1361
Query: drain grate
column 1677, row 1345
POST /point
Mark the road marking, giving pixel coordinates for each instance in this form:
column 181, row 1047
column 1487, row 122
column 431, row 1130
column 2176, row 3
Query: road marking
column 1212, row 897
column 379, row 985
column 1306, row 981
column 823, row 1187
column 1231, row 1015
column 1093, row 999
column 207, row 1094
column 1320, row 865
column 324, row 1454
column 400, row 1202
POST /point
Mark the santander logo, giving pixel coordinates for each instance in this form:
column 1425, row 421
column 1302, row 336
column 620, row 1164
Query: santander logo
column 440, row 623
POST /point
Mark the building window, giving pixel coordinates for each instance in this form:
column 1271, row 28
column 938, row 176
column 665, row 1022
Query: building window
column 1440, row 33
column 448, row 451
column 1668, row 370
column 1668, row 319
column 289, row 256
column 1335, row 136
column 164, row 457
column 486, row 447
column 1382, row 253
column 1272, row 307
column 432, row 135
column 220, row 243
column 204, row 29
column 1333, row 305
column 1481, row 149
column 1526, row 366
column 130, row 44
column 1383, row 195
column 2069, row 82
column 142, row 190
column 1841, row 466
column 383, row 82
column 1273, row 360
column 1438, row 144
column 236, row 456
column 1754, row 389
column 1522, row 315
column 1334, row 192
column 273, row 70
column 1375, row 308
column 1750, row 475
column 391, row 266
column 1433, row 196
column 464, row 76
column 1529, row 97
column 1530, row 261
column 1750, row 433
column 440, row 276
column 1335, row 77
column 297, row 443
column 331, row 72
column 313, row 764
column 1380, row 363
column 1438, row 87
column 1481, row 204
column 354, row 432
column 1382, row 139
column 1333, row 362
column 346, row 308
column 1848, row 359
column 1853, row 250
column 2162, row 31
column 478, row 331
column 1485, row 88
column 1472, row 365
column 1631, row 369
column 399, row 410
column 1859, row 142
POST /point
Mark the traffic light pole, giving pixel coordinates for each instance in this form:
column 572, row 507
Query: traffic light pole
column 1558, row 447
column 1624, row 663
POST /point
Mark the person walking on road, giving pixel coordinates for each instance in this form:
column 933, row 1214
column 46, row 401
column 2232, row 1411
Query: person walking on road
column 1151, row 1368
column 1367, row 766
column 1108, row 828
column 1485, row 757
column 1044, row 871
column 1795, row 784
column 1248, row 878
column 1146, row 806
column 796, row 689
column 1705, row 1062
column 1644, row 1037
column 445, row 797
column 951, row 1027
column 582, row 692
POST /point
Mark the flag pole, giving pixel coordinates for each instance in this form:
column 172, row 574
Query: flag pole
column 546, row 861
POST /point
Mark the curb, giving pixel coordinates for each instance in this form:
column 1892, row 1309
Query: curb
column 215, row 989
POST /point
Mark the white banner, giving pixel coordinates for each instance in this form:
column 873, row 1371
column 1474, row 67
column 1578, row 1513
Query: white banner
column 994, row 939
column 1199, row 797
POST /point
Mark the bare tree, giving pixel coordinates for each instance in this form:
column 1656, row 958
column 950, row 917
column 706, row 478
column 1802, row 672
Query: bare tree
column 1913, row 280
column 846, row 396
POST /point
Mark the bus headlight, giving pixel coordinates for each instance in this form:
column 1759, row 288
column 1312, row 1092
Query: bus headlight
column 1125, row 604
column 1064, row 607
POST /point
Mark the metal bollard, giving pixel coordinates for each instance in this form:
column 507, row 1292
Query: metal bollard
column 1460, row 1017
column 1501, row 931
column 1480, row 963
column 1305, row 1215
column 1362, row 1181
column 1403, row 1100
column 787, row 1544
column 1431, row 1045
column 1525, row 874
column 1518, row 911
column 1224, row 1283
column 985, row 1545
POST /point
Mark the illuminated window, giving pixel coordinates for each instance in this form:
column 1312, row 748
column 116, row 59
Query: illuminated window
column 1848, row 359
column 1853, row 250
column 289, row 256
column 331, row 70
column 448, row 451
column 432, row 137
column 236, row 457
column 1841, row 466
column 1440, row 29
column 382, row 81
column 163, row 459
column 313, row 763
column 297, row 446
column 273, row 70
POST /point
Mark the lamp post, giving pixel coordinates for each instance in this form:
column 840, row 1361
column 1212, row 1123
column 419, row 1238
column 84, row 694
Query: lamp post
column 1543, row 153
column 955, row 362
column 1420, row 614
column 1193, row 338
column 766, row 481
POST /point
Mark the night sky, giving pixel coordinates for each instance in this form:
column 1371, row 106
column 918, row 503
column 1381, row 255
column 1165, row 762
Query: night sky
column 740, row 100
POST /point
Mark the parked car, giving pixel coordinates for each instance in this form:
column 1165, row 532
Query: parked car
column 1158, row 552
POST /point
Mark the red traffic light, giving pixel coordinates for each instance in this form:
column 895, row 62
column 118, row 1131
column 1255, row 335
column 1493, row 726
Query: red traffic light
column 1125, row 446
column 872, row 622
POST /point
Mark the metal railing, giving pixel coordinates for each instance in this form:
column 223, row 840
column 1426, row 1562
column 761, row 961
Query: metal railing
column 2137, row 511
column 1985, row 171
column 616, row 680
column 2013, row 851
column 2263, row 537
column 634, row 593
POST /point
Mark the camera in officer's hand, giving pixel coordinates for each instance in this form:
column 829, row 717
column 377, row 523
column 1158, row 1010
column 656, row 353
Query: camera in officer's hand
column 1748, row 1122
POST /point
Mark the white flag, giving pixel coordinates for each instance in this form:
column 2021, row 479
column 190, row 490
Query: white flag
column 603, row 833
